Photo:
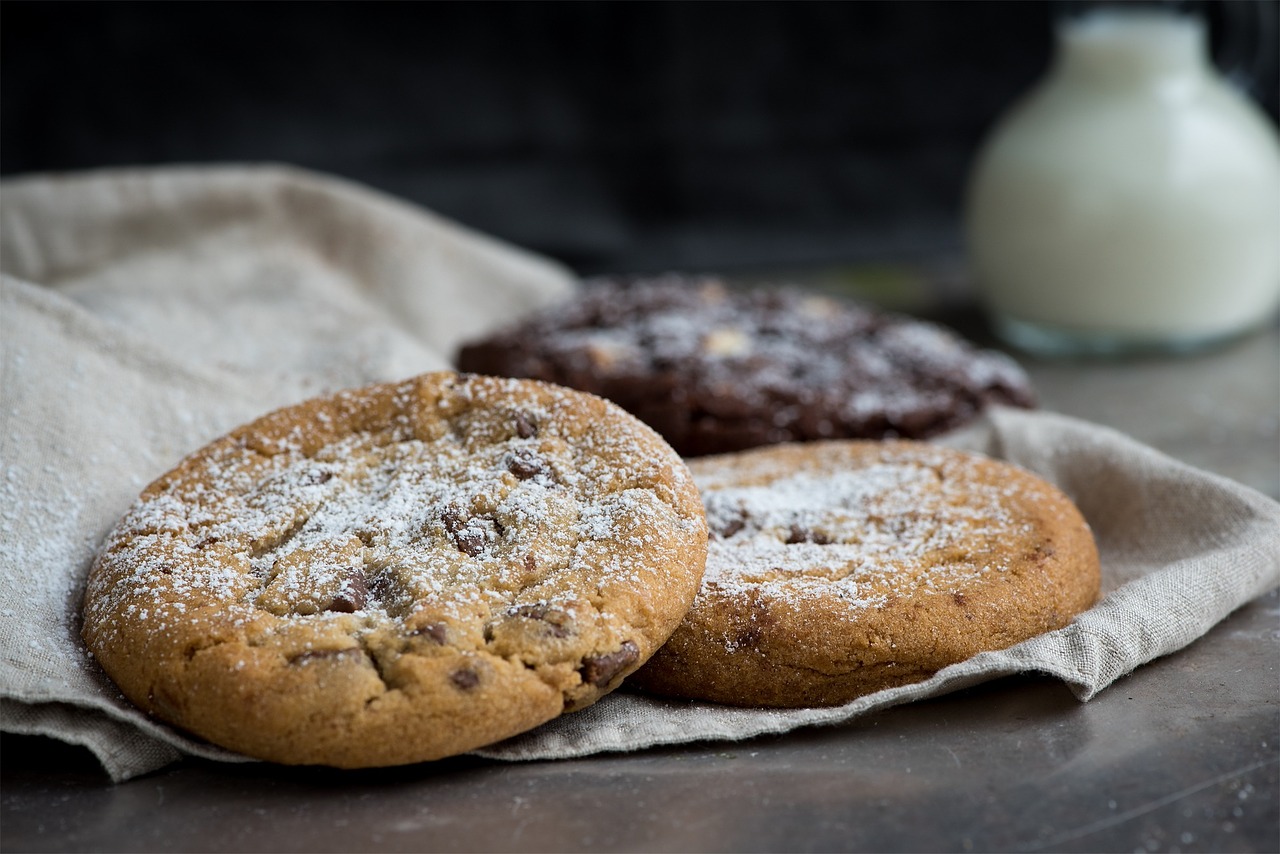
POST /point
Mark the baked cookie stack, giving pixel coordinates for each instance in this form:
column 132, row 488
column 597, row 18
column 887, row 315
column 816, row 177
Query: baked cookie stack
column 409, row 571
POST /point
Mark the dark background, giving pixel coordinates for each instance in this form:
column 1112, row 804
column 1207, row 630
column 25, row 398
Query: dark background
column 613, row 136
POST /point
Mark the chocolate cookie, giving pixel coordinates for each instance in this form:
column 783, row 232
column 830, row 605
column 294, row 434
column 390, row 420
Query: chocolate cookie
column 836, row 569
column 398, row 573
column 715, row 370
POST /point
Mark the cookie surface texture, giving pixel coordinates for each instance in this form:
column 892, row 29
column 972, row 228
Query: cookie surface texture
column 398, row 573
column 837, row 569
column 715, row 369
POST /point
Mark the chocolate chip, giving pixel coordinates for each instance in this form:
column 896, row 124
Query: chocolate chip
column 525, row 428
column 524, row 465
column 959, row 598
column 383, row 586
column 728, row 529
column 436, row 631
column 352, row 596
column 558, row 623
column 599, row 670
column 314, row 477
column 453, row 518
column 469, row 542
column 343, row 604
column 469, row 539
column 464, row 679
column 801, row 534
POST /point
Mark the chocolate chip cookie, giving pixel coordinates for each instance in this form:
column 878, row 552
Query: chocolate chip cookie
column 398, row 573
column 717, row 370
column 836, row 569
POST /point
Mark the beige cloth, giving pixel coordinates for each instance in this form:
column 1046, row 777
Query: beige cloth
column 144, row 313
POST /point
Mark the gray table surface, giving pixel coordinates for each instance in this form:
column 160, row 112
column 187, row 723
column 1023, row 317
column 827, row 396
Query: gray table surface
column 1181, row 755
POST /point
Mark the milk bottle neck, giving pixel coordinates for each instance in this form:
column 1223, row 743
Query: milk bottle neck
column 1125, row 49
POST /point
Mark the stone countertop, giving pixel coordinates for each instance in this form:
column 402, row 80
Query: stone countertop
column 1181, row 755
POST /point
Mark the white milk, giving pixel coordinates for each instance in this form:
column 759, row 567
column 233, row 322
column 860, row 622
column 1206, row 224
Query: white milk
column 1131, row 200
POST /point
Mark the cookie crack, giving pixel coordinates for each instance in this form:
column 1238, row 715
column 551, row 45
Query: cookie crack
column 195, row 647
column 278, row 541
column 379, row 668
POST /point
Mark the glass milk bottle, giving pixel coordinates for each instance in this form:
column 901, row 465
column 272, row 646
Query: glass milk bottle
column 1131, row 201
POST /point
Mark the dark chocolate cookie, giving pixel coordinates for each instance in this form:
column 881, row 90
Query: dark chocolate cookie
column 716, row 370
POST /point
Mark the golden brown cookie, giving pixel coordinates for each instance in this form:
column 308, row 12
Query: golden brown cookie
column 400, row 572
column 837, row 569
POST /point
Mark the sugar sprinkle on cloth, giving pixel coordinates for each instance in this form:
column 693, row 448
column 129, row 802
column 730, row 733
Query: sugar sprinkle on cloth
column 143, row 313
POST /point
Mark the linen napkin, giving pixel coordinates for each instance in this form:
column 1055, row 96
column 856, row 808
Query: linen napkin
column 143, row 313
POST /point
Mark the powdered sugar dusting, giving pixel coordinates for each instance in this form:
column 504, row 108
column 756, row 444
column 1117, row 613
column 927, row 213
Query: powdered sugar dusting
column 485, row 505
column 862, row 534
